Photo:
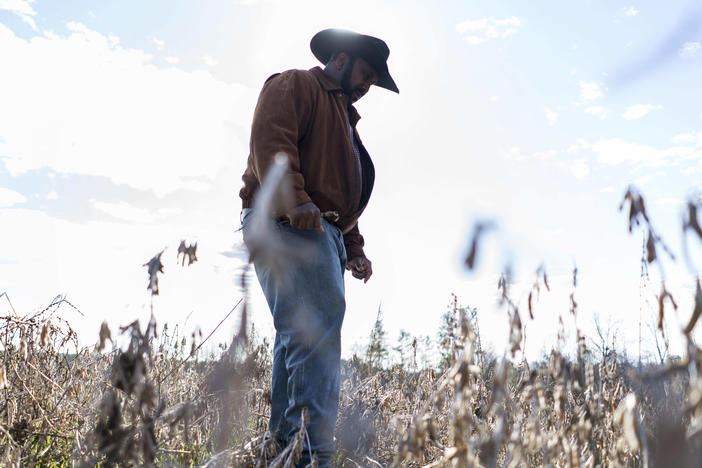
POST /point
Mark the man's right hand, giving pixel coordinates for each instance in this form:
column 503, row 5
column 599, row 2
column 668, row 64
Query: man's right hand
column 306, row 216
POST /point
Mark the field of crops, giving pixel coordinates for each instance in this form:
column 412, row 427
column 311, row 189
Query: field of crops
column 161, row 401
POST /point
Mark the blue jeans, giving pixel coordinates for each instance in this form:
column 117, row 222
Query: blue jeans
column 305, row 294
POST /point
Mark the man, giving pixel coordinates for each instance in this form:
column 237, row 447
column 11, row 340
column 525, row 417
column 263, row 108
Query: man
column 308, row 116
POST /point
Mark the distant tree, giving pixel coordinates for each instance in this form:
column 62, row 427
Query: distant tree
column 661, row 343
column 406, row 350
column 448, row 335
column 606, row 336
column 479, row 353
column 377, row 351
column 450, row 341
column 426, row 352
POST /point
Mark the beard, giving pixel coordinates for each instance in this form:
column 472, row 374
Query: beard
column 346, row 78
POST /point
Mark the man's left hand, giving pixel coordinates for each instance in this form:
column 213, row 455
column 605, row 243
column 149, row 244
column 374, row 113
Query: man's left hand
column 361, row 268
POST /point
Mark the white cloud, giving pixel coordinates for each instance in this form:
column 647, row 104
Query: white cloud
column 477, row 31
column 631, row 11
column 105, row 110
column 21, row 8
column 590, row 90
column 639, row 110
column 160, row 44
column 614, row 151
column 690, row 49
column 579, row 168
column 9, row 197
column 643, row 179
column 543, row 155
column 172, row 60
column 164, row 212
column 209, row 60
column 597, row 111
column 125, row 212
column 515, row 153
column 52, row 195
column 684, row 138
column 688, row 171
column 551, row 116
column 671, row 201
column 553, row 232
column 577, row 146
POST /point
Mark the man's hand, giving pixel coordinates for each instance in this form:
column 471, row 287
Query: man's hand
column 306, row 216
column 361, row 268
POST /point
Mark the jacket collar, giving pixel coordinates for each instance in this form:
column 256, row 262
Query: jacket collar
column 330, row 85
column 325, row 81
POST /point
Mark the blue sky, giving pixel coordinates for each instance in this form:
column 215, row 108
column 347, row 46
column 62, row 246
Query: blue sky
column 124, row 128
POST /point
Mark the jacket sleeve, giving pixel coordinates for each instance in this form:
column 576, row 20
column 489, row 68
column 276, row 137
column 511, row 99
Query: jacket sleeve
column 353, row 241
column 280, row 120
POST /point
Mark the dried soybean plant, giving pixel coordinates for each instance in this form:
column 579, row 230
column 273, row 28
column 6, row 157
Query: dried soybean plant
column 158, row 402
column 43, row 386
column 145, row 404
column 563, row 413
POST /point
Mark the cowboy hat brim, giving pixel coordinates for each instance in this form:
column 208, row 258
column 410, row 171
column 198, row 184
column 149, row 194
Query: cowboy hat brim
column 371, row 49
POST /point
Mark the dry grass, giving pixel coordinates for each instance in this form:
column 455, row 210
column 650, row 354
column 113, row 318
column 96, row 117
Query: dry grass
column 157, row 401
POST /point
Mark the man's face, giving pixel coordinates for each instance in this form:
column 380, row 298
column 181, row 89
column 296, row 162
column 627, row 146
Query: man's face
column 358, row 79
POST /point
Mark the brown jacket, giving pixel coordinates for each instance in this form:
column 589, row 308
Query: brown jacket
column 305, row 114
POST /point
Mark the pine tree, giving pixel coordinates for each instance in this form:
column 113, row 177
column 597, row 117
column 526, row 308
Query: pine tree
column 473, row 316
column 426, row 352
column 448, row 335
column 450, row 339
column 406, row 349
column 377, row 351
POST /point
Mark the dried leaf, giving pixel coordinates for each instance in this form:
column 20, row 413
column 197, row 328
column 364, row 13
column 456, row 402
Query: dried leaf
column 637, row 207
column 289, row 457
column 692, row 222
column 154, row 267
column 24, row 350
column 502, row 287
column 661, row 311
column 44, row 337
column 515, row 333
column 573, row 304
column 626, row 416
column 650, row 248
column 661, row 306
column 698, row 310
column 188, row 251
column 478, row 230
column 105, row 334
column 3, row 378
column 531, row 314
column 151, row 327
column 548, row 288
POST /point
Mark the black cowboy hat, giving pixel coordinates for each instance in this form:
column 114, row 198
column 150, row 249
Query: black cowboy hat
column 371, row 49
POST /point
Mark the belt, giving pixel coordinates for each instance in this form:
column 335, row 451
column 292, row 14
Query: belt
column 330, row 216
